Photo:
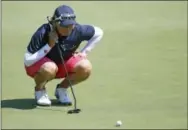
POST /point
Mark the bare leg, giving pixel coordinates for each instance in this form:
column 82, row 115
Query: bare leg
column 81, row 72
column 46, row 73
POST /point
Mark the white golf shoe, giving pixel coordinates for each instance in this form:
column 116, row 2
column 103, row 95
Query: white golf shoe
column 42, row 98
column 62, row 96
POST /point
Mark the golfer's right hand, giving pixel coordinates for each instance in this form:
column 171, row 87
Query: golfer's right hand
column 53, row 37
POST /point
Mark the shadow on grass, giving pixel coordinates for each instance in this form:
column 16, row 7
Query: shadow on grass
column 22, row 104
column 25, row 104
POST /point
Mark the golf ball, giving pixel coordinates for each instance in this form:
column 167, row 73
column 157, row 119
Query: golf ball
column 118, row 123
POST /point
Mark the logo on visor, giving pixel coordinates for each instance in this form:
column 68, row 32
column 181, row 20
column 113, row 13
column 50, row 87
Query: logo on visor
column 65, row 16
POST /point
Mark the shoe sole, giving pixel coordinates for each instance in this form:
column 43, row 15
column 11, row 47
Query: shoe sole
column 43, row 105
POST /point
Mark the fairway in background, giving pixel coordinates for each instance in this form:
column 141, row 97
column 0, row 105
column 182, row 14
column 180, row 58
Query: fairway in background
column 139, row 68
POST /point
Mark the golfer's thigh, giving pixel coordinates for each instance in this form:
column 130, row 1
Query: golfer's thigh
column 76, row 61
column 83, row 65
column 49, row 68
column 74, row 64
column 43, row 65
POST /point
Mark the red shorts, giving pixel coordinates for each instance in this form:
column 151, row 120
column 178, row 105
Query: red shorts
column 32, row 70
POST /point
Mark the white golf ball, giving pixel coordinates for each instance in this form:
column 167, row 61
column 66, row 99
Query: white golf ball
column 118, row 123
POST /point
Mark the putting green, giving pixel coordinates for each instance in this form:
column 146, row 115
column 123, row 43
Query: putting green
column 139, row 68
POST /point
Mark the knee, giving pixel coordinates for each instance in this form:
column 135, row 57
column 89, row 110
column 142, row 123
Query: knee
column 49, row 69
column 83, row 68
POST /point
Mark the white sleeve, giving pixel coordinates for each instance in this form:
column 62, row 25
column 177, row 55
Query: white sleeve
column 93, row 41
column 30, row 59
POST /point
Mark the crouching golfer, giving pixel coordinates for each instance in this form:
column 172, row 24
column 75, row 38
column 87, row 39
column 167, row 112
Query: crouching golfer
column 42, row 59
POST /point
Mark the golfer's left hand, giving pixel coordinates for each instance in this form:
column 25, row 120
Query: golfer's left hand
column 80, row 54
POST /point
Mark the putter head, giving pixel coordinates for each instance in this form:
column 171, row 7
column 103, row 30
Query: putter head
column 74, row 111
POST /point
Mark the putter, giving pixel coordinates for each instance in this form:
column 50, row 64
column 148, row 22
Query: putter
column 75, row 110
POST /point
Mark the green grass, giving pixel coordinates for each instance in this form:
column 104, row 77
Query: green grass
column 139, row 68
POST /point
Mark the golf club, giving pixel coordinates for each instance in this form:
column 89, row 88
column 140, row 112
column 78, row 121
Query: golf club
column 75, row 110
